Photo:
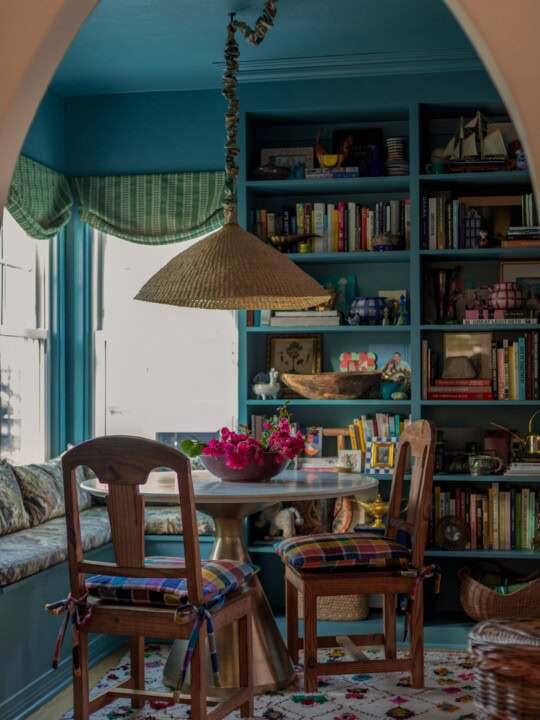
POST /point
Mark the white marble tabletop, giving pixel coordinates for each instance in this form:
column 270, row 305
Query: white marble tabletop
column 290, row 485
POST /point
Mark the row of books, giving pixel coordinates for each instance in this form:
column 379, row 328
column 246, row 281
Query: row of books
column 515, row 373
column 331, row 173
column 382, row 425
column 339, row 227
column 497, row 519
column 447, row 224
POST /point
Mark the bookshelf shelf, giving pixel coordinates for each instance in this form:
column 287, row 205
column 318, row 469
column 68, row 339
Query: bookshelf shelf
column 481, row 254
column 499, row 178
column 349, row 329
column 485, row 478
column 323, row 403
column 494, row 403
column 371, row 185
column 508, row 554
column 347, row 258
column 488, row 327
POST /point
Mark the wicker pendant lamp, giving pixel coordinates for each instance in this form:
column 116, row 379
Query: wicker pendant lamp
column 232, row 269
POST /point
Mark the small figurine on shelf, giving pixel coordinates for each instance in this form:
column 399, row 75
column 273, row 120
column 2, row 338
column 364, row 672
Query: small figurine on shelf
column 483, row 239
column 386, row 316
column 267, row 386
column 402, row 312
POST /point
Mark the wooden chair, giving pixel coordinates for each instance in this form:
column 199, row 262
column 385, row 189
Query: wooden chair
column 420, row 436
column 124, row 464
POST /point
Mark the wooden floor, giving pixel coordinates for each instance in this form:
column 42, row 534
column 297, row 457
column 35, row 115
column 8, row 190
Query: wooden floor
column 55, row 708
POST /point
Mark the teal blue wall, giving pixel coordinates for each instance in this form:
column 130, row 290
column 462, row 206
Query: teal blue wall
column 45, row 140
column 180, row 131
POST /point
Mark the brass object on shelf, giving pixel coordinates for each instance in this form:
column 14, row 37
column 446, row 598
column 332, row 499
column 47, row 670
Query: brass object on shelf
column 280, row 242
column 531, row 441
column 377, row 508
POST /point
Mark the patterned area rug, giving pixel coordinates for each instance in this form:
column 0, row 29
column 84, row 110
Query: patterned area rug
column 448, row 693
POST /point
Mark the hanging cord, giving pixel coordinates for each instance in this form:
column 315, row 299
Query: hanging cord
column 254, row 36
column 79, row 612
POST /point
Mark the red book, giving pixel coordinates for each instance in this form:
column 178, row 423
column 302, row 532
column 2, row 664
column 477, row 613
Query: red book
column 529, row 366
column 460, row 396
column 500, row 373
column 307, row 218
column 473, row 521
column 341, row 227
column 475, row 382
column 249, row 318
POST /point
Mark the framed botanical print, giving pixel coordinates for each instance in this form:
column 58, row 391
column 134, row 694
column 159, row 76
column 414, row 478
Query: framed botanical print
column 380, row 455
column 526, row 273
column 300, row 354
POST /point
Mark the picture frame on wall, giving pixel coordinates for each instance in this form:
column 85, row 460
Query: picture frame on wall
column 380, row 455
column 301, row 354
column 295, row 159
column 527, row 274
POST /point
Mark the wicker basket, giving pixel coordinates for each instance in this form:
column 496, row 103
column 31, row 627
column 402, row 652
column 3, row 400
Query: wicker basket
column 481, row 603
column 506, row 654
column 338, row 607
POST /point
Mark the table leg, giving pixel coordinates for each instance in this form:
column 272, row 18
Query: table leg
column 272, row 666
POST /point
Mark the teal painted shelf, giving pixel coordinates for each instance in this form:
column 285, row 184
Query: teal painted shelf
column 507, row 403
column 484, row 478
column 302, row 401
column 487, row 327
column 502, row 554
column 394, row 256
column 481, row 253
column 350, row 329
column 328, row 187
column 499, row 177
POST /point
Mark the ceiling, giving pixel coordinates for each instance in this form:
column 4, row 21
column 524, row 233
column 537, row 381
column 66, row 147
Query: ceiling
column 161, row 45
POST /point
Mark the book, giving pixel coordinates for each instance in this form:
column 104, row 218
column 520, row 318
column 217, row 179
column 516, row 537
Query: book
column 469, row 382
column 432, row 215
column 495, row 513
column 304, row 322
column 318, row 227
column 460, row 396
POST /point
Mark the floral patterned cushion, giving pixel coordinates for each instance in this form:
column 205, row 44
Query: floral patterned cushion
column 42, row 489
column 29, row 551
column 13, row 515
column 166, row 520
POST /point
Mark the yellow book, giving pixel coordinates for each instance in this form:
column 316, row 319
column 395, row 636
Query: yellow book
column 336, row 231
column 352, row 433
column 360, row 432
column 511, row 372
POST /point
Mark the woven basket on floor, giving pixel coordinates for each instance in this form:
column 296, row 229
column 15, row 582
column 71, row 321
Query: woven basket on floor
column 506, row 654
column 338, row 607
column 482, row 603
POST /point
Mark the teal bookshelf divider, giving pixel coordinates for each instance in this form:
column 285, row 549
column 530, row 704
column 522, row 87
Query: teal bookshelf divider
column 348, row 258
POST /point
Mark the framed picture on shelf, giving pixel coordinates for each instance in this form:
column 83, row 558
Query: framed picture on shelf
column 527, row 274
column 380, row 455
column 297, row 160
column 476, row 347
column 301, row 354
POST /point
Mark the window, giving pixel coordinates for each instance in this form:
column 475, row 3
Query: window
column 159, row 368
column 23, row 335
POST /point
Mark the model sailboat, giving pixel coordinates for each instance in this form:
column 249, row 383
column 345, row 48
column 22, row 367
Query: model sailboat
column 472, row 148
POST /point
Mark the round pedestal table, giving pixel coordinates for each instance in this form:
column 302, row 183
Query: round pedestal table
column 229, row 503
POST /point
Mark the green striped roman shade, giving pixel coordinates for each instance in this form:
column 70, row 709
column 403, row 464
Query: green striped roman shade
column 152, row 209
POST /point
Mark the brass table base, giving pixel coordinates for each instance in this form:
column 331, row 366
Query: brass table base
column 272, row 666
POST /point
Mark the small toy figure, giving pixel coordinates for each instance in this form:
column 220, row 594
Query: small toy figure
column 483, row 239
column 386, row 316
column 402, row 313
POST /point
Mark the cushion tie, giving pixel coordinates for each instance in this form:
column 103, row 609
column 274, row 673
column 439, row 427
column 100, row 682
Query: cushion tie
column 426, row 572
column 185, row 614
column 79, row 612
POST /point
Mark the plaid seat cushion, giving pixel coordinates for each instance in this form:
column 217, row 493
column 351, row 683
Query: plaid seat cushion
column 219, row 578
column 330, row 551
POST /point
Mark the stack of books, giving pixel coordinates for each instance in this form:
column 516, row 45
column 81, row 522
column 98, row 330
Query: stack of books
column 524, row 468
column 475, row 389
column 339, row 227
column 329, row 173
column 522, row 236
column 497, row 519
column 519, row 316
column 305, row 318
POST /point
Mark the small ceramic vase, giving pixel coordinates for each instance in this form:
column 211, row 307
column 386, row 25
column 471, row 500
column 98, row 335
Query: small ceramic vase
column 506, row 296
column 369, row 310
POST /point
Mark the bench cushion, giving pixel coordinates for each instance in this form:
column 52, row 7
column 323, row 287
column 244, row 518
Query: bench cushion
column 219, row 578
column 166, row 520
column 331, row 551
column 13, row 514
column 29, row 551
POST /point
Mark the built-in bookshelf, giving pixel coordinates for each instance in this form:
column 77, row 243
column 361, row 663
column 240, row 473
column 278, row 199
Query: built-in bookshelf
column 424, row 127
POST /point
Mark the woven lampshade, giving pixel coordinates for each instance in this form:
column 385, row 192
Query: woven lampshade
column 232, row 269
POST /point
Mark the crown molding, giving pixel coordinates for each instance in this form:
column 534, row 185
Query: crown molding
column 407, row 62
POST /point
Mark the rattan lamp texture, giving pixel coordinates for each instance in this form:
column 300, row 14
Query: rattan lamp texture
column 231, row 269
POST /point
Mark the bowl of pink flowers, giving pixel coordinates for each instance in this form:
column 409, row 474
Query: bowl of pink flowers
column 240, row 457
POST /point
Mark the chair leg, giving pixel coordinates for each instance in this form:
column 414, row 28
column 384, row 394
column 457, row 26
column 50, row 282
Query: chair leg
column 417, row 639
column 389, row 625
column 310, row 640
column 198, row 678
column 80, row 682
column 137, row 668
column 291, row 615
column 246, row 662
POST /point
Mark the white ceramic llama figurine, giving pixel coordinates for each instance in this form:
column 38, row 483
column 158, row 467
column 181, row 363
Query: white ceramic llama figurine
column 269, row 390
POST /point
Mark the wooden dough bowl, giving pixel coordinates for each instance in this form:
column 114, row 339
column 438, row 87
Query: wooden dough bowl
column 335, row 385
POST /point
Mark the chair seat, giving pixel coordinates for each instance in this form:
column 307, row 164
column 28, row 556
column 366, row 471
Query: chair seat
column 219, row 578
column 331, row 551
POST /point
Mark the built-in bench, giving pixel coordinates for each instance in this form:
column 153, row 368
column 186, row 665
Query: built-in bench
column 34, row 570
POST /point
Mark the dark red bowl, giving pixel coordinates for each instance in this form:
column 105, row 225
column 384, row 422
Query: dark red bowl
column 253, row 472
